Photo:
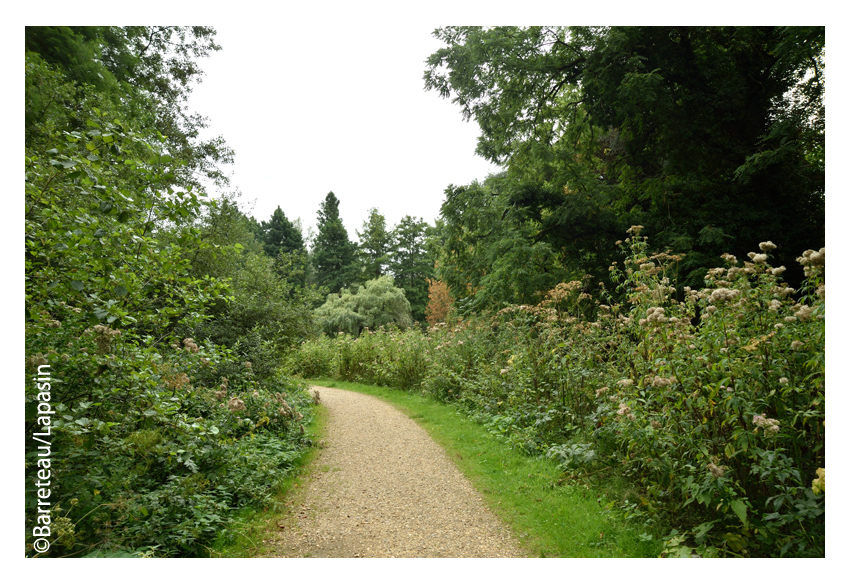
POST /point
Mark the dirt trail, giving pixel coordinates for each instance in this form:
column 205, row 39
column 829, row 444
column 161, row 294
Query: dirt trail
column 383, row 488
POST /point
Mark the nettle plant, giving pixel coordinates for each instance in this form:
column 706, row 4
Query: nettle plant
column 722, row 404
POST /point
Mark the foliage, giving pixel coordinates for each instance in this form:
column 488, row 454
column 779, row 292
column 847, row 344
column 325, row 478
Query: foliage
column 146, row 72
column 374, row 245
column 411, row 264
column 711, row 405
column 374, row 305
column 157, row 439
column 708, row 136
column 333, row 253
column 279, row 235
column 440, row 302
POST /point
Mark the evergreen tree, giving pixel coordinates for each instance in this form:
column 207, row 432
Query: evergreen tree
column 411, row 264
column 375, row 243
column 334, row 255
column 280, row 235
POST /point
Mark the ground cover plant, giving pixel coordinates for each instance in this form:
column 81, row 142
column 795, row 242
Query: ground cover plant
column 710, row 403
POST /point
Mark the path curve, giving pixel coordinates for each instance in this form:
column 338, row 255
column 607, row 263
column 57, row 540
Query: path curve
column 383, row 488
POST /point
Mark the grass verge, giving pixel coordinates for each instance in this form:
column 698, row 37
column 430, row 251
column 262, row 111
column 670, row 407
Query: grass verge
column 252, row 528
column 548, row 516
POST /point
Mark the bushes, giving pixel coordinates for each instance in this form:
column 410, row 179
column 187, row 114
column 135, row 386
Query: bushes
column 710, row 402
column 156, row 439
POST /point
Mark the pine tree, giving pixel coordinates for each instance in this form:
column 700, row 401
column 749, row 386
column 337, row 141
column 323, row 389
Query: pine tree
column 333, row 253
column 280, row 235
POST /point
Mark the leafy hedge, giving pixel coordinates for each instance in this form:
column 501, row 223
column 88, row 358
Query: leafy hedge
column 711, row 402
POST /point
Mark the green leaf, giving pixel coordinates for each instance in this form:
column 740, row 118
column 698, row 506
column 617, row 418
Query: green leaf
column 740, row 509
column 120, row 291
column 100, row 233
column 77, row 285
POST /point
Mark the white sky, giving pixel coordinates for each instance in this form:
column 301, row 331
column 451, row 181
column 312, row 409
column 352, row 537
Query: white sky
column 336, row 107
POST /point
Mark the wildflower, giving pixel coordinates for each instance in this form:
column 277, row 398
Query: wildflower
column 716, row 471
column 804, row 312
column 624, row 410
column 504, row 371
column 723, row 295
column 778, row 326
column 730, row 258
column 655, row 424
column 661, row 381
column 36, row 360
column 769, row 425
column 189, row 345
column 601, row 391
column 796, row 345
column 635, row 229
column 220, row 394
column 656, row 314
column 256, row 393
column 783, row 381
column 759, row 258
column 790, row 318
column 775, row 305
column 236, row 405
column 819, row 484
column 778, row 271
column 247, row 364
column 767, row 246
column 625, row 382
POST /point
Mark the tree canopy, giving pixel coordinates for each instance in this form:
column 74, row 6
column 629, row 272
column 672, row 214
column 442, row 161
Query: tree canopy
column 710, row 137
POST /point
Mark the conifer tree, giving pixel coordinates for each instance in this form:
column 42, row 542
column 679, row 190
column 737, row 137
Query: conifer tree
column 334, row 256
column 280, row 235
column 374, row 247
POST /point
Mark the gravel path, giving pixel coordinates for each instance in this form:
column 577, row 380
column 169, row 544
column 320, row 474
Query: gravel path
column 383, row 488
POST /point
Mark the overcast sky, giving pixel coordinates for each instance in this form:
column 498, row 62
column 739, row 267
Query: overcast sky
column 338, row 108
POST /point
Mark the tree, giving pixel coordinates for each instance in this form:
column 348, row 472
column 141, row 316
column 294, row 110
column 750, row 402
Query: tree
column 280, row 235
column 440, row 302
column 411, row 264
column 378, row 303
column 710, row 137
column 333, row 254
column 374, row 245
column 147, row 72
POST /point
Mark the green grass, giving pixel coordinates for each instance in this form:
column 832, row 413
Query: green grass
column 253, row 525
column 549, row 517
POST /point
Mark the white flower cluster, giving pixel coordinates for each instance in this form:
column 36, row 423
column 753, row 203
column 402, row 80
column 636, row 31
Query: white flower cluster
column 654, row 315
column 663, row 381
column 723, row 295
column 625, row 411
column 769, row 425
